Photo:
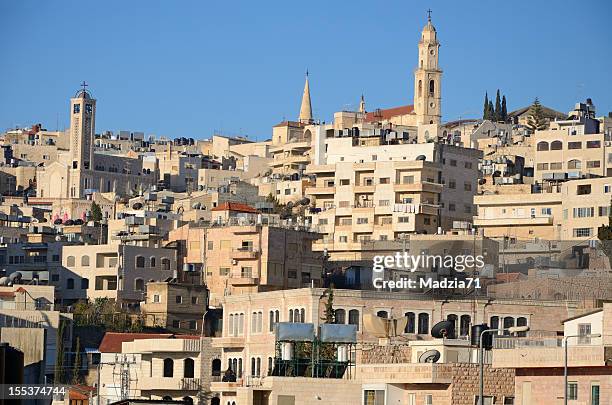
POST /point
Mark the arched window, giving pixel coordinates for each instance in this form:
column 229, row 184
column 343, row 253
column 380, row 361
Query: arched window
column 382, row 314
column 152, row 261
column 258, row 367
column 85, row 260
column 216, row 367
column 270, row 366
column 340, row 316
column 410, row 325
column 302, row 315
column 239, row 373
column 140, row 261
column 84, row 283
column 432, row 86
column 70, row 261
column 423, row 324
column 138, row 284
column 543, row 145
column 464, row 325
column 353, row 317
column 253, row 370
column 574, row 164
column 421, row 86
column 453, row 318
column 291, row 315
column 168, row 367
column 494, row 323
column 165, row 263
column 188, row 368
column 556, row 145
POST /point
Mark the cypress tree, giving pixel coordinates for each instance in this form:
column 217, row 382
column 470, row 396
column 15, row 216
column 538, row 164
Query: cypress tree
column 485, row 109
column 497, row 111
column 535, row 119
column 504, row 110
column 491, row 111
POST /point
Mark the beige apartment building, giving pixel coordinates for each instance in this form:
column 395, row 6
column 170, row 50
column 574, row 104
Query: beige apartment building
column 159, row 366
column 248, row 341
column 174, row 305
column 116, row 271
column 256, row 257
column 539, row 361
column 383, row 192
column 555, row 211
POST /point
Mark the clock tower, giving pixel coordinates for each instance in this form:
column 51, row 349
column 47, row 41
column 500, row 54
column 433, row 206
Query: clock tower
column 428, row 78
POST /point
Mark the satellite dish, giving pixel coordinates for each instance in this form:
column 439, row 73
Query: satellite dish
column 443, row 329
column 137, row 206
column 430, row 356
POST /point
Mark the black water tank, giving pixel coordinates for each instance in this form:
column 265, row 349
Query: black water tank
column 487, row 339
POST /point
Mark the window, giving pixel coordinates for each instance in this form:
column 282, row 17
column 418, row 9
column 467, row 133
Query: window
column 468, row 165
column 179, row 299
column 423, row 324
column 323, row 221
column 152, row 261
column 340, row 316
column 464, row 325
column 595, row 394
column 55, row 277
column 408, row 180
column 274, row 319
column 574, row 145
column 139, row 284
column 210, row 245
column 584, row 330
column 593, row 144
column 85, row 261
column 467, row 209
column 70, row 284
column 70, row 261
column 453, row 162
column 168, row 367
column 246, row 272
column 76, row 109
column 384, row 180
column 353, row 317
column 345, row 182
column 84, row 283
column 574, row 164
column 508, row 400
column 582, row 232
column 224, row 271
column 451, row 207
column 604, row 211
column 467, row 186
column 188, row 368
column 542, row 146
column 165, row 262
column 431, row 86
column 194, row 300
column 216, row 367
column 403, row 220
column 572, row 391
column 156, row 298
column 583, row 189
column 428, row 399
column 452, row 184
column 140, row 261
column 593, row 164
column 373, row 397
column 556, row 166
column 305, row 277
column 556, row 145
column 584, row 212
column 362, row 221
column 292, row 274
column 383, row 203
column 343, row 239
column 542, row 166
column 410, row 325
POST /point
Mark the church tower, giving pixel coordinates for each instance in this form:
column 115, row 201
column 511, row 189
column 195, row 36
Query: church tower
column 306, row 107
column 428, row 78
column 82, row 129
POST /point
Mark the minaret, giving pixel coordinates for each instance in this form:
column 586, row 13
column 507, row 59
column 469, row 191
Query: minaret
column 428, row 78
column 362, row 109
column 306, row 108
column 82, row 129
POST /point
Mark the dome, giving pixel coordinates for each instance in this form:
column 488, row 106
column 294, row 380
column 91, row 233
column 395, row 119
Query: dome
column 83, row 94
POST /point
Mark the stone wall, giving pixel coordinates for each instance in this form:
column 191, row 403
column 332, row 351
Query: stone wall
column 498, row 382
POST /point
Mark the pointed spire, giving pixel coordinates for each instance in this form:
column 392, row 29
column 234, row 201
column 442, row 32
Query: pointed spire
column 362, row 109
column 306, row 108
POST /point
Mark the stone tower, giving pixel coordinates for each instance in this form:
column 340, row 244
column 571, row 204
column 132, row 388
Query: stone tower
column 306, row 107
column 428, row 78
column 82, row 129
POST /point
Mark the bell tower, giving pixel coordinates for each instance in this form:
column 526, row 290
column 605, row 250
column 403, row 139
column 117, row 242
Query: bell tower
column 428, row 78
column 82, row 129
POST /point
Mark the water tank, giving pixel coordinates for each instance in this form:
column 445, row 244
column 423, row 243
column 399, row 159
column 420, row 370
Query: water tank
column 487, row 339
column 287, row 351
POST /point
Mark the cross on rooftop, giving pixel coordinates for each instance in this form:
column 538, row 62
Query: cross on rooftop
column 84, row 85
column 429, row 15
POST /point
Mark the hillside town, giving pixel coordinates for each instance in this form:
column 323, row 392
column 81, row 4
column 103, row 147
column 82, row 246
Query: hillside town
column 235, row 271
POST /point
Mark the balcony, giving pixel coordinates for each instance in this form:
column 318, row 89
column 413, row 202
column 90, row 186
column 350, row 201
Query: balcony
column 364, row 189
column 418, row 187
column 513, row 221
column 320, row 190
column 245, row 253
column 406, row 373
column 515, row 352
column 243, row 281
column 169, row 383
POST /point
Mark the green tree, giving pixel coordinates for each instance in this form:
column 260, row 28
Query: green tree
column 76, row 372
column 485, row 108
column 329, row 314
column 96, row 212
column 491, row 111
column 58, row 372
column 535, row 118
column 497, row 111
column 504, row 109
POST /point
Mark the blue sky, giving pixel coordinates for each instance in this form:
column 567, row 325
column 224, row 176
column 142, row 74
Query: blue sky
column 188, row 68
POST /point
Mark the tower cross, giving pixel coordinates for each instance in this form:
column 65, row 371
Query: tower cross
column 84, row 85
column 429, row 15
